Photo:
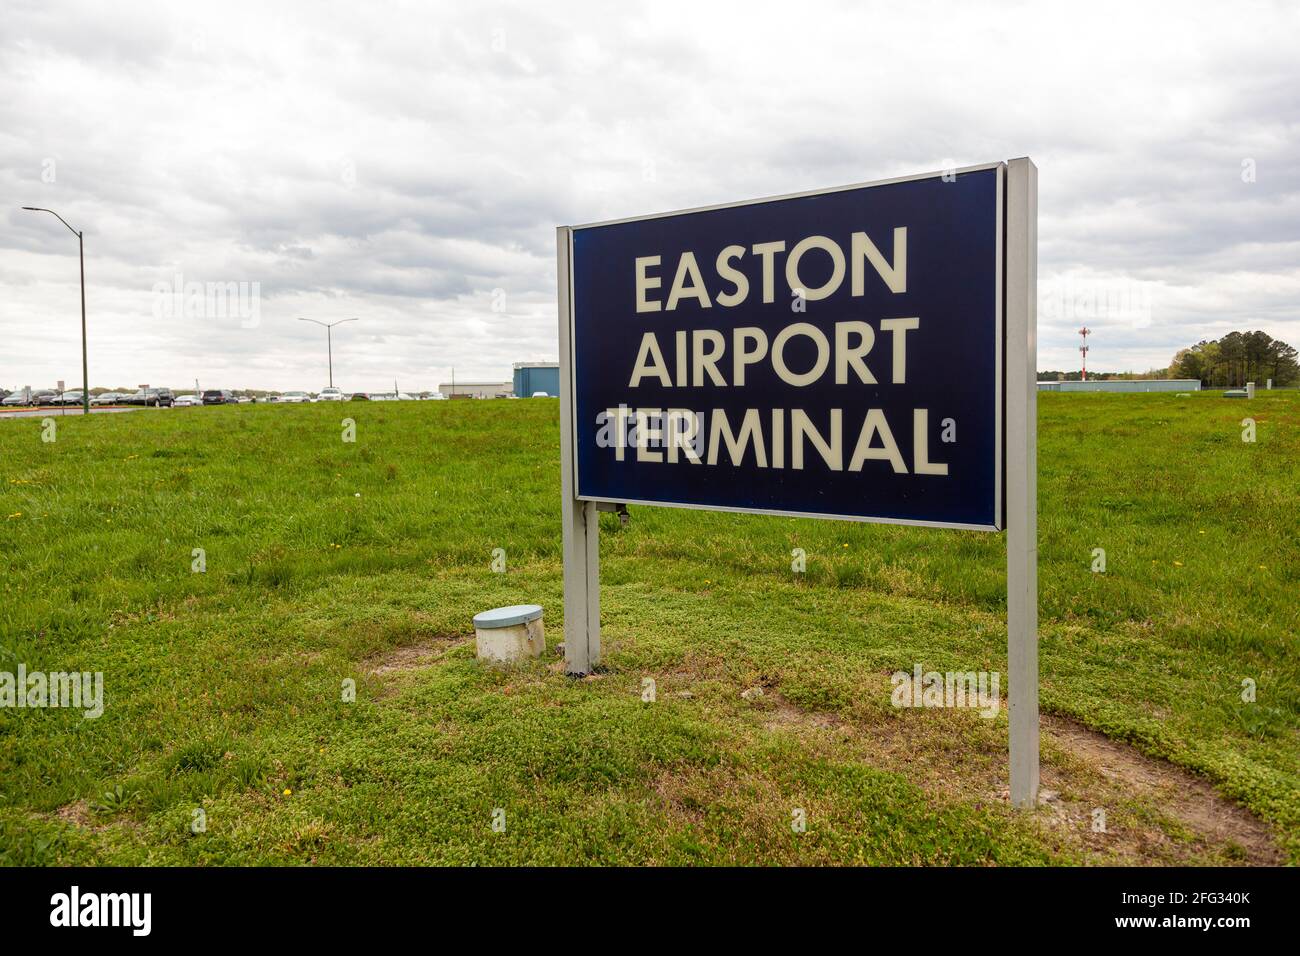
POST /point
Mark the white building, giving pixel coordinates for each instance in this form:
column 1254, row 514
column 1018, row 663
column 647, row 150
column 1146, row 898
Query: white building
column 1124, row 385
column 477, row 389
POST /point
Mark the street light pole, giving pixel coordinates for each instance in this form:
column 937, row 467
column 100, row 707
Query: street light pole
column 85, row 367
column 329, row 340
column 81, row 255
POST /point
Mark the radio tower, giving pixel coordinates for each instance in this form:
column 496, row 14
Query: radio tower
column 1083, row 350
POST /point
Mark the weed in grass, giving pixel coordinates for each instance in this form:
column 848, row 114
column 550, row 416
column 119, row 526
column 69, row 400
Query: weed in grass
column 113, row 801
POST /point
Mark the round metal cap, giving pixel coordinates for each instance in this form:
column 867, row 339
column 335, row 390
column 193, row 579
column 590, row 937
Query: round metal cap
column 507, row 616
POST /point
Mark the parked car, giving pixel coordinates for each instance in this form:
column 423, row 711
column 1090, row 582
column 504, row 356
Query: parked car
column 294, row 398
column 68, row 398
column 108, row 398
column 14, row 398
column 186, row 401
column 43, row 396
column 218, row 396
column 330, row 394
column 152, row 397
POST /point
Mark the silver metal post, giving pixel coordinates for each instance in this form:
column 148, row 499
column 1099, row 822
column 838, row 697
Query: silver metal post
column 581, row 520
column 1022, row 478
column 85, row 368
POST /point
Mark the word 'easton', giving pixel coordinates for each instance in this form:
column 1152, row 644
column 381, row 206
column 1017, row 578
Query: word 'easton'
column 688, row 280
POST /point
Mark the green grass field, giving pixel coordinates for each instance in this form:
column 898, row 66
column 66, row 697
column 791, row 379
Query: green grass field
column 327, row 561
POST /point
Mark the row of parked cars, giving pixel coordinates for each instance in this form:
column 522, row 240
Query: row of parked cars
column 157, row 397
column 165, row 398
column 331, row 394
column 222, row 396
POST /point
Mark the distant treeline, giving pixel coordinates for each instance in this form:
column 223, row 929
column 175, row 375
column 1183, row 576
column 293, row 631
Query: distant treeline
column 1238, row 358
column 1076, row 375
column 1232, row 361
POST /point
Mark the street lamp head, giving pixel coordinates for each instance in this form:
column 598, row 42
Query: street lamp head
column 85, row 372
column 328, row 325
column 55, row 215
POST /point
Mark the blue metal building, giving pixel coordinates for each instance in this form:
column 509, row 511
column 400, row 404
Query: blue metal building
column 533, row 377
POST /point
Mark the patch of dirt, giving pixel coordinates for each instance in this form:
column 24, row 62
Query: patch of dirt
column 1154, row 812
column 1178, row 793
column 414, row 656
column 781, row 713
column 78, row 814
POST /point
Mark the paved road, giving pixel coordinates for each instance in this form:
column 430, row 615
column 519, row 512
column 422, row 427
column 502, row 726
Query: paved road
column 61, row 410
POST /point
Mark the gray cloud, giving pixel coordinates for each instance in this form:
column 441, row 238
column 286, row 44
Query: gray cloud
column 401, row 163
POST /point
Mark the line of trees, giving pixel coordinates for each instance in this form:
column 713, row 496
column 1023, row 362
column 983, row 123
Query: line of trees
column 1237, row 358
column 1076, row 375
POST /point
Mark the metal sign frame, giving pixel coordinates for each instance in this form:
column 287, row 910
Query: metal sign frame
column 1015, row 439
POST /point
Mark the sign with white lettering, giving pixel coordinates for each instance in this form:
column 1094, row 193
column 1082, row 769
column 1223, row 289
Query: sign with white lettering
column 835, row 354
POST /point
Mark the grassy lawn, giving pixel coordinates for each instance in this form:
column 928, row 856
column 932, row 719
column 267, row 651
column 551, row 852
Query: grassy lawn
column 328, row 561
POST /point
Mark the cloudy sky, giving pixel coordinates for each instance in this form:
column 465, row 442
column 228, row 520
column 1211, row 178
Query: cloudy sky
column 407, row 163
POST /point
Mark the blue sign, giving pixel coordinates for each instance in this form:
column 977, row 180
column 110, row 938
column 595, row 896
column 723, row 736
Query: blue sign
column 836, row 354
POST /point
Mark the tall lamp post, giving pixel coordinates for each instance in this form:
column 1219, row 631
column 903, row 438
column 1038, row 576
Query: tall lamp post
column 81, row 253
column 329, row 339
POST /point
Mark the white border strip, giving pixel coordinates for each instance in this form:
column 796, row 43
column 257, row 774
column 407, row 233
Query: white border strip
column 999, row 303
column 872, row 519
column 572, row 358
column 801, row 195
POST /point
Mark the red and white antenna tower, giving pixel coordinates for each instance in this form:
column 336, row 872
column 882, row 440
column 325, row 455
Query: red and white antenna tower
column 1083, row 350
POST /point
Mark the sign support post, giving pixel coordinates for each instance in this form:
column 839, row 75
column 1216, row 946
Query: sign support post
column 581, row 519
column 1022, row 478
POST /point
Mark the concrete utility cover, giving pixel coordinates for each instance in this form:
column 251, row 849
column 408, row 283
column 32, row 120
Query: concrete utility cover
column 507, row 616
